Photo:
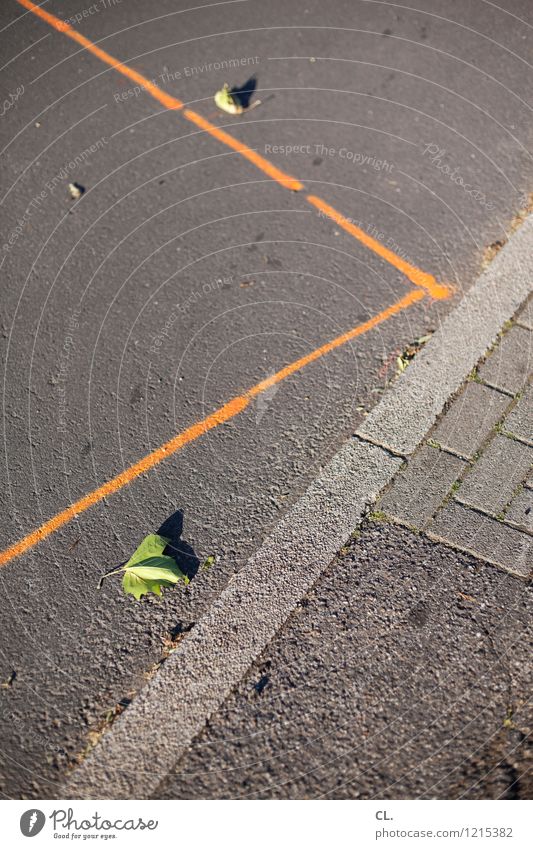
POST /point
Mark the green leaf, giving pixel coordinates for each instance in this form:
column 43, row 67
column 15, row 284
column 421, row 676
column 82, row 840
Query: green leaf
column 225, row 100
column 152, row 546
column 149, row 570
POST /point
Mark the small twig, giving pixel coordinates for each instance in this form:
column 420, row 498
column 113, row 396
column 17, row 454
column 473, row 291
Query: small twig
column 74, row 544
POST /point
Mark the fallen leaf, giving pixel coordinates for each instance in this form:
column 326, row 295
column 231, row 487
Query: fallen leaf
column 149, row 570
column 75, row 190
column 208, row 562
column 226, row 101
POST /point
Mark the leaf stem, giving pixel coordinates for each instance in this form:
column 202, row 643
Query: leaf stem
column 108, row 574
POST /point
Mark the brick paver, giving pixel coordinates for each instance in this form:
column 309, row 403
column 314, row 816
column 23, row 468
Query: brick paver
column 470, row 419
column 520, row 511
column 485, row 537
column 492, row 481
column 509, row 365
column 525, row 316
column 420, row 490
column 519, row 422
column 471, row 485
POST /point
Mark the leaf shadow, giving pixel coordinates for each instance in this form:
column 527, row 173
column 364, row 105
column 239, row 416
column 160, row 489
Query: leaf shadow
column 245, row 92
column 178, row 548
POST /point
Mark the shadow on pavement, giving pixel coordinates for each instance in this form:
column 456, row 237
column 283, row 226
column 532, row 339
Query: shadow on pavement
column 178, row 548
column 245, row 92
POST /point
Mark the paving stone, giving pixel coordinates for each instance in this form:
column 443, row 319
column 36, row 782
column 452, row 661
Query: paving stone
column 509, row 365
column 470, row 419
column 418, row 491
column 525, row 317
column 485, row 537
column 520, row 511
column 492, row 481
column 520, row 420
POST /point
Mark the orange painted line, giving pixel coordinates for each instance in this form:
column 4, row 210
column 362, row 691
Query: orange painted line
column 411, row 297
column 166, row 99
column 190, row 434
column 62, row 26
column 259, row 161
column 415, row 275
column 236, row 405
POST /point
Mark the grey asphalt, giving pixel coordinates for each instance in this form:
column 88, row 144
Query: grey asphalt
column 141, row 747
column 404, row 674
column 169, row 218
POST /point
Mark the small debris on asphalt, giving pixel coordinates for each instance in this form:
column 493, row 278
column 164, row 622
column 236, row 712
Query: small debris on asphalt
column 261, row 684
column 467, row 598
column 75, row 190
column 9, row 681
column 148, row 570
column 410, row 352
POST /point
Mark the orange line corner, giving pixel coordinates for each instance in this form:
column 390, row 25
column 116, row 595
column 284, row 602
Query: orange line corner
column 439, row 291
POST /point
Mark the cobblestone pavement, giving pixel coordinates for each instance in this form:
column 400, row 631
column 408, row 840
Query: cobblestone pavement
column 470, row 484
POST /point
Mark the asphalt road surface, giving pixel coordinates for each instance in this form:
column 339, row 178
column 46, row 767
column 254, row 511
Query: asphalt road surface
column 403, row 674
column 184, row 275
